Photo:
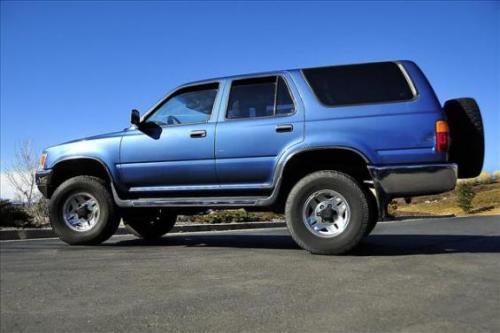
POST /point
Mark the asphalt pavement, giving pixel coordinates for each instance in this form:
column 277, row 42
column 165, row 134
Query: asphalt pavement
column 440, row 275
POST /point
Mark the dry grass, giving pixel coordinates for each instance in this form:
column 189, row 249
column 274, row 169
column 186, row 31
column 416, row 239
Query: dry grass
column 486, row 202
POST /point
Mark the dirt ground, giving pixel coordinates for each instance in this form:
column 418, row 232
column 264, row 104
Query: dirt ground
column 486, row 202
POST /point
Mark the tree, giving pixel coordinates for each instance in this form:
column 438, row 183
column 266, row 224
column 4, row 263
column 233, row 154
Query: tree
column 21, row 174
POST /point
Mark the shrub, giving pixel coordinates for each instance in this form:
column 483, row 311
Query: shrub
column 496, row 174
column 13, row 215
column 224, row 216
column 484, row 178
column 465, row 195
column 232, row 215
column 392, row 208
column 39, row 213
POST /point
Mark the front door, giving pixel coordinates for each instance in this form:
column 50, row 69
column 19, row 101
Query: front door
column 174, row 147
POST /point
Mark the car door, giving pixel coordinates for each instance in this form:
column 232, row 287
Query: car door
column 262, row 119
column 173, row 149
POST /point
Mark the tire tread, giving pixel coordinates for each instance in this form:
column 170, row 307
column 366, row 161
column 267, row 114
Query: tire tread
column 98, row 185
column 360, row 195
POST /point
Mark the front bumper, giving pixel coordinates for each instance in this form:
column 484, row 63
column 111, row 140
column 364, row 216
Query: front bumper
column 43, row 181
column 413, row 180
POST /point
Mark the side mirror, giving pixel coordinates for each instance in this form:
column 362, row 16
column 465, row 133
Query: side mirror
column 135, row 117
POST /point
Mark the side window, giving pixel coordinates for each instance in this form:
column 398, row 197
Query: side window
column 359, row 84
column 252, row 98
column 284, row 102
column 259, row 97
column 187, row 106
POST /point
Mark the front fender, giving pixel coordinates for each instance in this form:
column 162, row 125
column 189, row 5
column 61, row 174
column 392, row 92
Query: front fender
column 106, row 151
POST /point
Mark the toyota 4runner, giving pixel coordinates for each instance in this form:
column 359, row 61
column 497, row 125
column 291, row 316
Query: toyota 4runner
column 329, row 147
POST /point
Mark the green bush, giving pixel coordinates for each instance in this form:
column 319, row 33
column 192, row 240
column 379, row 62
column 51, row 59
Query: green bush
column 224, row 216
column 13, row 215
column 233, row 215
column 465, row 195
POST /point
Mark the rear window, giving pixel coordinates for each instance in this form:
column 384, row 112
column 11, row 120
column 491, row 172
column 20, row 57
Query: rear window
column 359, row 84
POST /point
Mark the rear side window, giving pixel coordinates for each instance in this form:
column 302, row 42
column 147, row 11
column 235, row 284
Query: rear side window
column 259, row 97
column 359, row 84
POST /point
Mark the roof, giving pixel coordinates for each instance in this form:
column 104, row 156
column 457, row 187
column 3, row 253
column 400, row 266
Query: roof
column 274, row 72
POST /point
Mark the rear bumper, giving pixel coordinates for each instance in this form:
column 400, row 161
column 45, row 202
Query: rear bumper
column 414, row 180
column 43, row 181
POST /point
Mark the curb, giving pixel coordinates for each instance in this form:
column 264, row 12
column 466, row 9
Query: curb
column 418, row 217
column 32, row 233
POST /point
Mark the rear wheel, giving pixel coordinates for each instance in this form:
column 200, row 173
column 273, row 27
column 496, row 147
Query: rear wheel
column 149, row 223
column 467, row 136
column 82, row 211
column 327, row 212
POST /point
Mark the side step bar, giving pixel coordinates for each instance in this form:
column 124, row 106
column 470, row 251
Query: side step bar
column 193, row 201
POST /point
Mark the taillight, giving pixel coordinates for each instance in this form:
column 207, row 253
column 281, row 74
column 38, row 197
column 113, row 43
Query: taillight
column 442, row 136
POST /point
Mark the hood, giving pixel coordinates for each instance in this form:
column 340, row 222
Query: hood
column 103, row 147
column 96, row 137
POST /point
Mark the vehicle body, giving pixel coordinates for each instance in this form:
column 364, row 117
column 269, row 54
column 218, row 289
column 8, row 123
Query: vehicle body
column 248, row 140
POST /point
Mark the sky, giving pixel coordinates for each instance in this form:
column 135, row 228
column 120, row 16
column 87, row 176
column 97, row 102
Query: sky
column 74, row 69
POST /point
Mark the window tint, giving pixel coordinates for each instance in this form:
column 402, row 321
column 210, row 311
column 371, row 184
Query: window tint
column 187, row 106
column 252, row 98
column 259, row 97
column 284, row 102
column 357, row 84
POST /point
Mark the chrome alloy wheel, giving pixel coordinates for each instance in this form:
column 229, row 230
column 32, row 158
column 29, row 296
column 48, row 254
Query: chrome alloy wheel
column 326, row 213
column 81, row 211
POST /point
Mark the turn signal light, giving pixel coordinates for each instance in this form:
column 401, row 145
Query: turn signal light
column 442, row 136
column 43, row 159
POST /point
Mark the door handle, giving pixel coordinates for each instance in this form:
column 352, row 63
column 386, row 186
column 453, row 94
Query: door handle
column 198, row 134
column 284, row 128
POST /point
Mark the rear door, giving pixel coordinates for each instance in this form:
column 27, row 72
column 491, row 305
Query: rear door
column 262, row 119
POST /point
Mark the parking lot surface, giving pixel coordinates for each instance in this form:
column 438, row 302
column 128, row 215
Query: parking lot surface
column 433, row 275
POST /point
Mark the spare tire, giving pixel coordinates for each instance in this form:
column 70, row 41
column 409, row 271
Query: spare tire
column 467, row 136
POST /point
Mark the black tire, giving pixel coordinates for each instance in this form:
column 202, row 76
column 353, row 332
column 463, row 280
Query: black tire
column 356, row 198
column 149, row 223
column 106, row 224
column 467, row 136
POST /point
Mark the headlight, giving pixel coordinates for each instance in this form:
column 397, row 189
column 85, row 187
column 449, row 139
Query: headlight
column 43, row 159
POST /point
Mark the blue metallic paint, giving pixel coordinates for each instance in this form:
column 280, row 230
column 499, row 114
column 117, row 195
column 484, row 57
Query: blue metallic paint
column 104, row 149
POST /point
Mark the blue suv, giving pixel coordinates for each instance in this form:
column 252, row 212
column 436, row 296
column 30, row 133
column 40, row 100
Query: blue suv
column 329, row 147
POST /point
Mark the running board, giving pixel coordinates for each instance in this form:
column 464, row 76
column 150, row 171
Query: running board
column 192, row 201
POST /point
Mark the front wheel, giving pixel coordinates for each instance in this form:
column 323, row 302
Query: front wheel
column 149, row 223
column 327, row 212
column 82, row 211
